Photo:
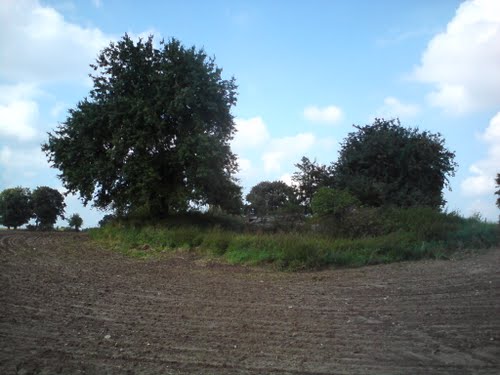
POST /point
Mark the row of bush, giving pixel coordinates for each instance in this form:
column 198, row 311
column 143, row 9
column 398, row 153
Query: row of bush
column 364, row 236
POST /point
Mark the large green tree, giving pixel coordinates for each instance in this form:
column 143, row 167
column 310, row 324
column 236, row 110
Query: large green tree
column 387, row 164
column 270, row 197
column 15, row 207
column 154, row 132
column 48, row 204
column 308, row 179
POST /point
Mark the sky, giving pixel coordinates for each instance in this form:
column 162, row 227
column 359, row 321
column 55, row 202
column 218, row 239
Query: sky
column 307, row 71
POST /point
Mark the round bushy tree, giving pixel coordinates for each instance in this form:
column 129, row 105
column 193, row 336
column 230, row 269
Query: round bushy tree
column 75, row 221
column 48, row 204
column 153, row 135
column 15, row 207
column 387, row 164
column 269, row 197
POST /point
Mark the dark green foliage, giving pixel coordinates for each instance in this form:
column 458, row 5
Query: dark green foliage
column 328, row 201
column 154, row 133
column 75, row 221
column 15, row 207
column 48, row 204
column 267, row 198
column 308, row 179
column 107, row 219
column 386, row 164
column 425, row 223
column 196, row 220
column 497, row 180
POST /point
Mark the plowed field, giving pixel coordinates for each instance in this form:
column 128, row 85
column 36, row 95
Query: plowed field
column 70, row 307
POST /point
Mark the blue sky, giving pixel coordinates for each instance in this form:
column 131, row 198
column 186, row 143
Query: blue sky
column 306, row 71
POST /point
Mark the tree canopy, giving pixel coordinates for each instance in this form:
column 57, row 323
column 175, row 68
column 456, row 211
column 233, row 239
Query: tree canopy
column 387, row 164
column 154, row 132
column 308, row 179
column 75, row 221
column 48, row 204
column 15, row 207
column 269, row 197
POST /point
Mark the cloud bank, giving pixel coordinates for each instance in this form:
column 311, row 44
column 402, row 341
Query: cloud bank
column 462, row 63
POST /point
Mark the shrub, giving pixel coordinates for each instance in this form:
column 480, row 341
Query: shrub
column 328, row 201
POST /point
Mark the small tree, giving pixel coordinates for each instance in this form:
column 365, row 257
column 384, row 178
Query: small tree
column 387, row 164
column 269, row 197
column 308, row 179
column 15, row 207
column 48, row 204
column 75, row 221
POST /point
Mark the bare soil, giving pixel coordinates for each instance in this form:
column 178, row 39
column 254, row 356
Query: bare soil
column 68, row 306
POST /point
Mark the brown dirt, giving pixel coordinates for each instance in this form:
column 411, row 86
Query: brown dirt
column 69, row 307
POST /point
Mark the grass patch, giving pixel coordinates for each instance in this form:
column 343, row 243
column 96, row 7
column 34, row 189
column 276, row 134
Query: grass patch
column 399, row 235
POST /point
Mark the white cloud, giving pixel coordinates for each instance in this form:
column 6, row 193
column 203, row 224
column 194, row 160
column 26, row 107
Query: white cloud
column 287, row 179
column 260, row 156
column 326, row 115
column 286, row 149
column 250, row 133
column 462, row 62
column 22, row 166
column 19, row 112
column 481, row 183
column 97, row 3
column 22, row 159
column 485, row 207
column 245, row 168
column 485, row 170
column 39, row 45
column 393, row 107
column 492, row 132
column 17, row 119
column 19, row 91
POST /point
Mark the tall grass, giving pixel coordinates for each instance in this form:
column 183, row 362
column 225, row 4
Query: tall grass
column 393, row 235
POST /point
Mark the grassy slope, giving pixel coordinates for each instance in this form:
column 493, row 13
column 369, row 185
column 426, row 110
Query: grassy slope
column 402, row 235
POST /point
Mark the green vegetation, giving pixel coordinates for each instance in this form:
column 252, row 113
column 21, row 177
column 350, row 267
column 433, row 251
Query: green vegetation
column 19, row 205
column 309, row 177
column 379, row 203
column 153, row 135
column 270, row 197
column 152, row 143
column 15, row 207
column 328, row 201
column 47, row 205
column 75, row 221
column 387, row 164
column 392, row 235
